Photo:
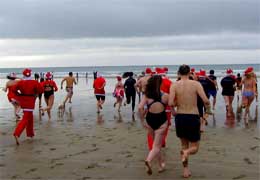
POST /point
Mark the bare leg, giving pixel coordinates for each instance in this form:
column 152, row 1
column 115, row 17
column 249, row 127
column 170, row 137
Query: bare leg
column 214, row 102
column 119, row 104
column 157, row 144
column 188, row 150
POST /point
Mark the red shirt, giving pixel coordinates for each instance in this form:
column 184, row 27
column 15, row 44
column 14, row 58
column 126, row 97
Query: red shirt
column 28, row 91
column 99, row 86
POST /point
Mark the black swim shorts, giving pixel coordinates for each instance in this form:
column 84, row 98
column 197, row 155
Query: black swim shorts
column 100, row 97
column 188, row 127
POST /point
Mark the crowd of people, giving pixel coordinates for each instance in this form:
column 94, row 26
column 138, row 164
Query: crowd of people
column 187, row 99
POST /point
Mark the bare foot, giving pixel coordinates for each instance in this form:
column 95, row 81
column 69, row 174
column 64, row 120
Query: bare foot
column 149, row 169
column 186, row 172
column 16, row 140
column 162, row 167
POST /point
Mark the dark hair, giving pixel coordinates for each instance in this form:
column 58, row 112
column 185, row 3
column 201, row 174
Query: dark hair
column 211, row 71
column 70, row 73
column 184, row 69
column 41, row 79
column 11, row 78
column 131, row 74
column 238, row 74
column 153, row 86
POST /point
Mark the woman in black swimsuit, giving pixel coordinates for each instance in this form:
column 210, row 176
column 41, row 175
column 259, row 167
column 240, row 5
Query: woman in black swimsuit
column 49, row 87
column 156, row 120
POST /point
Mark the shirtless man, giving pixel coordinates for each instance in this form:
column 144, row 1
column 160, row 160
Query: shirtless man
column 141, row 83
column 69, row 87
column 183, row 95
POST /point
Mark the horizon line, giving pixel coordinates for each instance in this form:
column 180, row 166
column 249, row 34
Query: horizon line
column 126, row 65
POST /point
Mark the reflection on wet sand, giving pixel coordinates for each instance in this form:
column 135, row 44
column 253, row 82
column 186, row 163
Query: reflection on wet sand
column 118, row 118
column 230, row 119
column 69, row 114
column 100, row 119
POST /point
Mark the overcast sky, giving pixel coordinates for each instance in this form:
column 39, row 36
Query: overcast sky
column 127, row 32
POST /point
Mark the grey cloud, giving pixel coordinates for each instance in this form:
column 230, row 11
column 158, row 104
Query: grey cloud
column 125, row 18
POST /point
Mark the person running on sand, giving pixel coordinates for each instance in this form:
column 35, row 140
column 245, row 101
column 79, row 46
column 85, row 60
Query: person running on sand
column 28, row 90
column 70, row 80
column 248, row 93
column 184, row 95
column 130, row 91
column 213, row 87
column 228, row 90
column 238, row 85
column 165, row 88
column 12, row 95
column 119, row 93
column 204, row 81
column 49, row 87
column 156, row 119
column 99, row 91
column 255, row 77
column 141, row 83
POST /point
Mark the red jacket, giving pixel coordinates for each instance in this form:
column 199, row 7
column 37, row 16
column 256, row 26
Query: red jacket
column 28, row 91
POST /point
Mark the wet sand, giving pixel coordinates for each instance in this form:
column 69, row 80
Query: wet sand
column 80, row 144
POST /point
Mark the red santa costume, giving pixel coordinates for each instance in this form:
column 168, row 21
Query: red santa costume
column 165, row 88
column 28, row 90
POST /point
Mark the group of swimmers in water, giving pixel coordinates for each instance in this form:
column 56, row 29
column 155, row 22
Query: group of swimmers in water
column 159, row 99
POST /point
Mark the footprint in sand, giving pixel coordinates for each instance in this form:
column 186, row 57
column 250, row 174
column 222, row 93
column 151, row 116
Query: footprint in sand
column 38, row 152
column 31, row 170
column 2, row 165
column 52, row 149
column 257, row 138
column 108, row 160
column 254, row 148
column 248, row 161
column 92, row 166
column 109, row 140
column 239, row 177
column 84, row 178
column 129, row 156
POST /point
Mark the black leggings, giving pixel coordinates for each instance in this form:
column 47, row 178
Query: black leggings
column 128, row 100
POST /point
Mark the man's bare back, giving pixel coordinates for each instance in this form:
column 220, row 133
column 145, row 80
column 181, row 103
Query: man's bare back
column 69, row 81
column 184, row 93
column 141, row 83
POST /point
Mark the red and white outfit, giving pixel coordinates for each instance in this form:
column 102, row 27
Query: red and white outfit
column 28, row 90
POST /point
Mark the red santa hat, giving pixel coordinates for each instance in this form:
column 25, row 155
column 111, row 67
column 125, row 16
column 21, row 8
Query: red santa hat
column 148, row 71
column 249, row 70
column 27, row 72
column 159, row 71
column 229, row 71
column 165, row 69
column 192, row 70
column 202, row 73
column 48, row 75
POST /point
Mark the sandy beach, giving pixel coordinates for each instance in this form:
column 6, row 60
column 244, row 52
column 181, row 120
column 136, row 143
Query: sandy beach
column 81, row 144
